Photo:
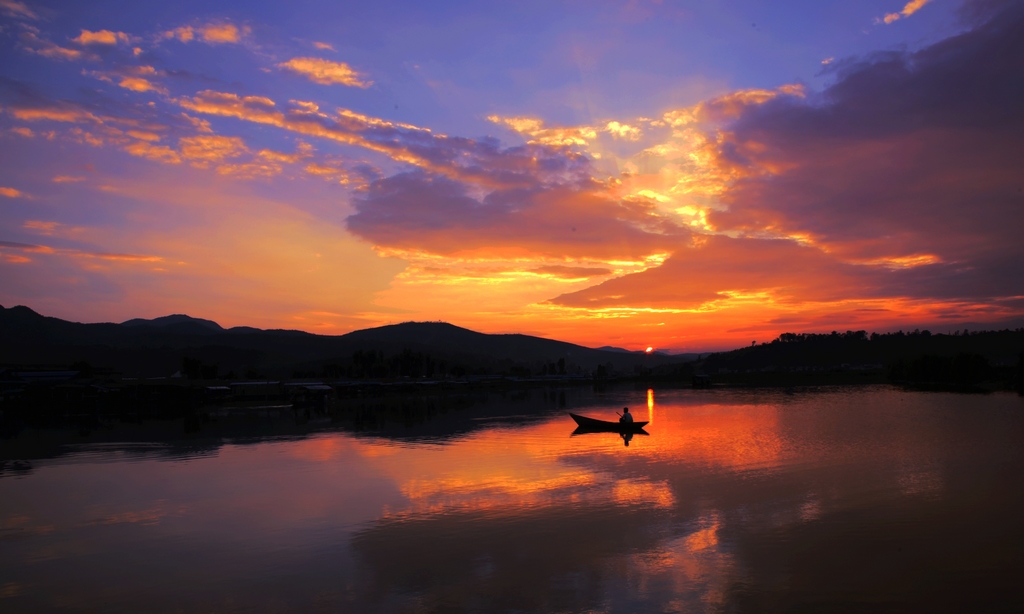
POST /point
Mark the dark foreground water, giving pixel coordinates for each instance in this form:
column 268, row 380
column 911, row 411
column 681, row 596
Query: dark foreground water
column 865, row 499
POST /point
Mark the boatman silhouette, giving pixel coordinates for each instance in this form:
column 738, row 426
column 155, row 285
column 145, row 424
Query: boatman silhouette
column 626, row 416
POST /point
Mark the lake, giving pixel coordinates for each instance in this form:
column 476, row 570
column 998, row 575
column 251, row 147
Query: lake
column 835, row 499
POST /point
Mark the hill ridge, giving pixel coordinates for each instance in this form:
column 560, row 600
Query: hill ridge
column 158, row 346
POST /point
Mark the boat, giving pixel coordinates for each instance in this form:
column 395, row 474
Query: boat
column 593, row 425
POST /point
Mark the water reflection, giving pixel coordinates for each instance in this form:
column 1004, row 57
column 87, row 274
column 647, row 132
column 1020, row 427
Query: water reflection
column 734, row 500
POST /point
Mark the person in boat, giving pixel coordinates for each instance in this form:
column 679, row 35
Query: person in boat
column 626, row 417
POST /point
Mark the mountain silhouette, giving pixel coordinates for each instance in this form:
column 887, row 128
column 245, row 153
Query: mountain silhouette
column 179, row 323
column 155, row 347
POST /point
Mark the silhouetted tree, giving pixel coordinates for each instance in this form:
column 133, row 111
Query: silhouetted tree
column 965, row 370
column 84, row 368
column 194, row 368
column 1020, row 373
column 971, row 369
column 191, row 367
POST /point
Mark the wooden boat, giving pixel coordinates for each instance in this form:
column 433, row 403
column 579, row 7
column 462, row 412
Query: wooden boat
column 593, row 425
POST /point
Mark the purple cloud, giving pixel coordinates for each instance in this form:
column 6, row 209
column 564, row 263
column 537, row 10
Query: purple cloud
column 420, row 211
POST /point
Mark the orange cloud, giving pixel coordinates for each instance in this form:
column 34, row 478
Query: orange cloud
column 120, row 257
column 325, row 72
column 202, row 150
column 213, row 33
column 205, row 149
column 222, row 33
column 47, row 49
column 68, row 113
column 157, row 153
column 302, row 152
column 400, row 142
column 144, row 136
column 538, row 133
column 13, row 8
column 257, row 109
column 44, row 228
column 104, row 128
column 23, row 131
column 718, row 271
column 47, row 228
column 250, row 170
column 82, row 136
column 623, row 131
column 419, row 212
column 201, row 125
column 138, row 84
column 67, row 179
column 572, row 272
column 909, row 9
column 11, row 192
column 103, row 37
column 183, row 34
column 323, row 46
column 327, row 172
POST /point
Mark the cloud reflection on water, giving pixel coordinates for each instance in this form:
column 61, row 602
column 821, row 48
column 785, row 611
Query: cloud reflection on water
column 762, row 499
column 533, row 494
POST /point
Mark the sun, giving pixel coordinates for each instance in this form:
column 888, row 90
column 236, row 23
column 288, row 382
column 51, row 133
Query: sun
column 649, row 349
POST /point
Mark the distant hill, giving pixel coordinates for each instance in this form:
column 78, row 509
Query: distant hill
column 178, row 323
column 859, row 349
column 683, row 356
column 161, row 346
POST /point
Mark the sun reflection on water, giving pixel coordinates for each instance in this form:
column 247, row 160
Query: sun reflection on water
column 515, row 512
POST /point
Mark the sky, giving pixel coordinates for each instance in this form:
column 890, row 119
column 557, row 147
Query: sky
column 685, row 175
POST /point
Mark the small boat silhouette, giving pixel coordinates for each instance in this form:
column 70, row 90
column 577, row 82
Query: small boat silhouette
column 593, row 425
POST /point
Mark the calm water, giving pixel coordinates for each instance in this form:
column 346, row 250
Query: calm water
column 864, row 499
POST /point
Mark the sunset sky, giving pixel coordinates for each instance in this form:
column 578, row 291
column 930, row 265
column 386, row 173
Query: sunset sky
column 687, row 175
